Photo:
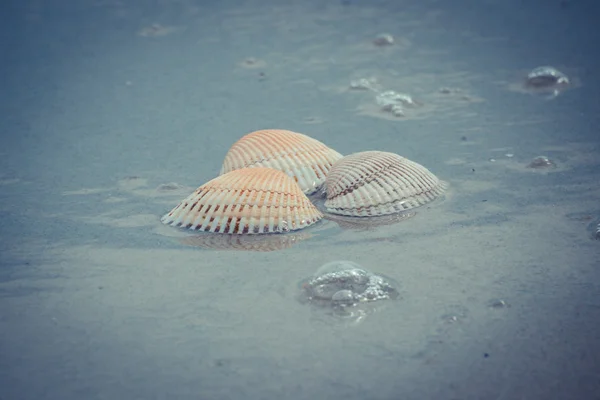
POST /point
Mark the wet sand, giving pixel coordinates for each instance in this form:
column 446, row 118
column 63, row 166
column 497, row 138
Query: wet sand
column 114, row 118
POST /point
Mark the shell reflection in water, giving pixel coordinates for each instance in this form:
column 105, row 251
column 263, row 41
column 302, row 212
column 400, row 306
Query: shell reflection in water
column 249, row 201
column 305, row 159
column 258, row 243
column 374, row 183
column 371, row 223
column 347, row 290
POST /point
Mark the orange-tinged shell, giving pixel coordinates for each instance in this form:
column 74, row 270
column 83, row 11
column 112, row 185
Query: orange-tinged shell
column 248, row 200
column 305, row 159
column 375, row 183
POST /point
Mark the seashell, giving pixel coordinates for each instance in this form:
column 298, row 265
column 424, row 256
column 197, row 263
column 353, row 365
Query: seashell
column 247, row 200
column 305, row 159
column 373, row 183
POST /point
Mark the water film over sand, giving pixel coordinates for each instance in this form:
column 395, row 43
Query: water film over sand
column 115, row 112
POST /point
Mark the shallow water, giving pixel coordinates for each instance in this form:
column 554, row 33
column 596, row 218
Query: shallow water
column 499, row 282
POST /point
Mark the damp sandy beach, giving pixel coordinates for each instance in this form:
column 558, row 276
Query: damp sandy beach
column 113, row 112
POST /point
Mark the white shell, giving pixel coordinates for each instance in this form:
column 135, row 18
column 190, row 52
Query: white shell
column 373, row 183
column 305, row 159
column 248, row 200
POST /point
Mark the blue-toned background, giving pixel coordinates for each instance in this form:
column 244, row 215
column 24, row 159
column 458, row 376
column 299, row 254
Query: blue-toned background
column 103, row 101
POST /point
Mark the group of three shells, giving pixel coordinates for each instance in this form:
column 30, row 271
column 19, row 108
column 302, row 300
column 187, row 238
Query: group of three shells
column 267, row 175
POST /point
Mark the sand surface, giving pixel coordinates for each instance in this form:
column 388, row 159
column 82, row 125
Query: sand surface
column 114, row 111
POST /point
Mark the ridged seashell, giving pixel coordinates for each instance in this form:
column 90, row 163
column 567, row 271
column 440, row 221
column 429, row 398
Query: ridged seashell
column 305, row 159
column 373, row 183
column 247, row 200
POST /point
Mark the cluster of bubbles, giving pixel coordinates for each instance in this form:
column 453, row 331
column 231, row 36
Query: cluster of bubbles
column 547, row 80
column 387, row 100
column 541, row 162
column 347, row 289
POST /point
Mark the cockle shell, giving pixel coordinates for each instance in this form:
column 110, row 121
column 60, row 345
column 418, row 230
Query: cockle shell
column 247, row 200
column 373, row 183
column 303, row 158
